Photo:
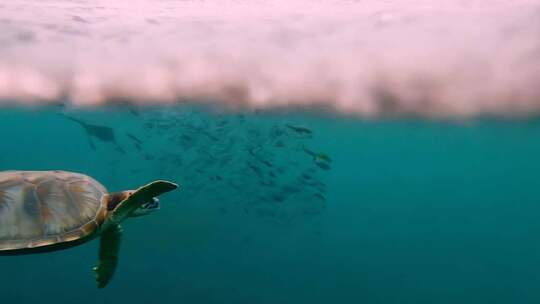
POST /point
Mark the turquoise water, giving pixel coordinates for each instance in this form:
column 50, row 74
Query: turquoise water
column 407, row 211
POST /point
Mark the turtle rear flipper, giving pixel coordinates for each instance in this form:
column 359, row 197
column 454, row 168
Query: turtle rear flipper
column 140, row 196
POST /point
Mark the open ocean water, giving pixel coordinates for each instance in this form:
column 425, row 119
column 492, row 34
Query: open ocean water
column 331, row 151
column 401, row 210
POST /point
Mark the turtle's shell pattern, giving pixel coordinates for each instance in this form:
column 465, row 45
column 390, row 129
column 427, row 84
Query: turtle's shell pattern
column 40, row 208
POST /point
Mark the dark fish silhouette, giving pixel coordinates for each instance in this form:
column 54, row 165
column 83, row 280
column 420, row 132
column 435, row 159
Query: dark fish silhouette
column 137, row 146
column 317, row 156
column 134, row 112
column 306, row 176
column 279, row 144
column 134, row 138
column 200, row 171
column 267, row 163
column 105, row 134
column 120, row 149
column 186, row 137
column 317, row 185
column 320, row 196
column 323, row 165
column 255, row 169
column 300, row 129
column 202, row 131
column 278, row 198
column 150, row 125
column 222, row 123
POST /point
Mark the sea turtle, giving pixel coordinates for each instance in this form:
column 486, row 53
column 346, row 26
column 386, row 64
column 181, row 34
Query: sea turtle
column 42, row 211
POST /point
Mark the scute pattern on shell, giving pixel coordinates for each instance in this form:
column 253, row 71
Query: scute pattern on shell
column 39, row 208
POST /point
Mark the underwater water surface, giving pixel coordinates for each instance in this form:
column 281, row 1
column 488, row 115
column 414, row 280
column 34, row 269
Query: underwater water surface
column 291, row 207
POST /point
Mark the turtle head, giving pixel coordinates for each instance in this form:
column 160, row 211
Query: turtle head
column 133, row 203
column 116, row 199
column 146, row 208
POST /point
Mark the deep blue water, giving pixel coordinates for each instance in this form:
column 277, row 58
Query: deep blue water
column 408, row 211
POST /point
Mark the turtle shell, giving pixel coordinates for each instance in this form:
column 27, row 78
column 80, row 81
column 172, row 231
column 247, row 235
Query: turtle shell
column 42, row 208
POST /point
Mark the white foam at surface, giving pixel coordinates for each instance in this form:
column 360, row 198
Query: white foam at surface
column 433, row 58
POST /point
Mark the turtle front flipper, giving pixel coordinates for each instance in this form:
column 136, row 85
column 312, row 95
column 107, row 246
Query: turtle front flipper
column 140, row 196
column 112, row 232
column 109, row 247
